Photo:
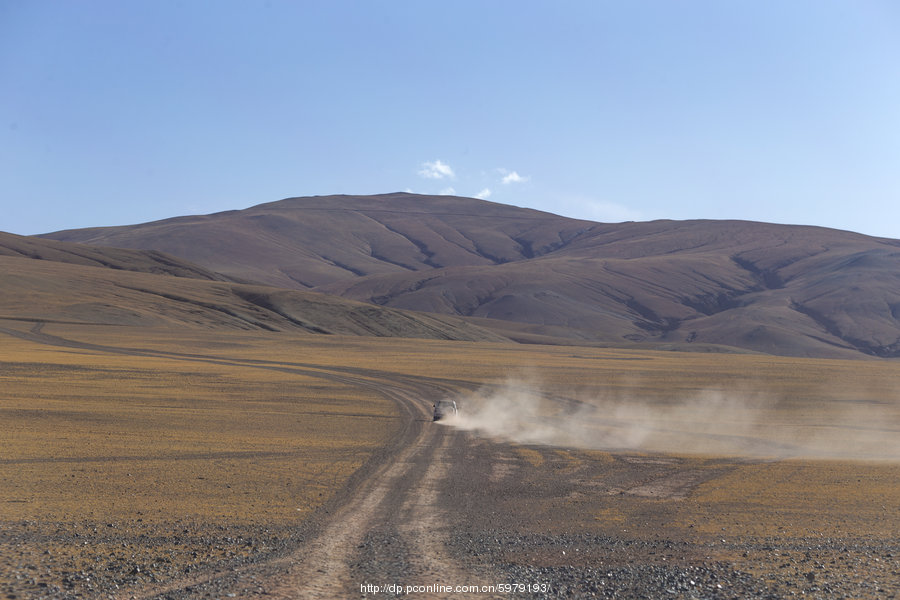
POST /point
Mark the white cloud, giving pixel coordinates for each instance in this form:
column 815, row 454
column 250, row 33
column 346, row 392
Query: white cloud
column 436, row 170
column 448, row 191
column 512, row 177
column 484, row 194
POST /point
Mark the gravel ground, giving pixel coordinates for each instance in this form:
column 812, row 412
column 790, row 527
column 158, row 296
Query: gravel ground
column 63, row 562
column 99, row 560
column 526, row 522
column 381, row 553
column 584, row 565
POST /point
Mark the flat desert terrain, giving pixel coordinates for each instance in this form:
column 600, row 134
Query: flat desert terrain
column 167, row 463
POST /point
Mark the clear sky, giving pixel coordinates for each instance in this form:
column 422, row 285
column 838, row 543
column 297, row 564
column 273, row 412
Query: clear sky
column 125, row 111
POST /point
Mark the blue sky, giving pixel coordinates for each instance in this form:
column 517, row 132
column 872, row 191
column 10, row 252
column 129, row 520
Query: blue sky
column 117, row 112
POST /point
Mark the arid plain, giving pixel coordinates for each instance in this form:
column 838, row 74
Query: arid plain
column 181, row 463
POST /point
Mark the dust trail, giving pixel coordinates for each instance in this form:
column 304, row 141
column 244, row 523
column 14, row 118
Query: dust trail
column 717, row 422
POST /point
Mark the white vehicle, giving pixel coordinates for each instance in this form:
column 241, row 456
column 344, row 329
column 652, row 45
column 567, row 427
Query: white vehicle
column 444, row 408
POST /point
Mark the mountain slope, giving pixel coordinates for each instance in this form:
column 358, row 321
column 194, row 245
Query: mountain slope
column 307, row 242
column 779, row 289
column 794, row 290
column 143, row 261
column 44, row 281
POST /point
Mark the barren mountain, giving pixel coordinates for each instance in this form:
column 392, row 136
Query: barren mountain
column 535, row 276
column 43, row 281
column 308, row 242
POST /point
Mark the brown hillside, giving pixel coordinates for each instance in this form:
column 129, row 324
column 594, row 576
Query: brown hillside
column 307, row 242
column 781, row 289
column 143, row 261
column 43, row 281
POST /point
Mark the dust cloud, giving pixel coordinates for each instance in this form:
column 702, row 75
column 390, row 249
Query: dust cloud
column 736, row 422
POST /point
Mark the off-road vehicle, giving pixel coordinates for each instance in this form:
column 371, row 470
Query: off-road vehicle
column 443, row 409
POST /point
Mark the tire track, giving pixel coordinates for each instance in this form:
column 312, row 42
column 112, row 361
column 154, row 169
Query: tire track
column 321, row 567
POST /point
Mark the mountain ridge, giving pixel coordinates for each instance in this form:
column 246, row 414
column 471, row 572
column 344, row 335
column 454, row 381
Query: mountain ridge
column 783, row 289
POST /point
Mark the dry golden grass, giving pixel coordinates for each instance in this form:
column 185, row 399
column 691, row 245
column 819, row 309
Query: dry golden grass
column 800, row 499
column 107, row 436
column 214, row 432
column 144, row 467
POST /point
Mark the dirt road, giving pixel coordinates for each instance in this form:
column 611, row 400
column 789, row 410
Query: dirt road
column 386, row 528
column 386, row 535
